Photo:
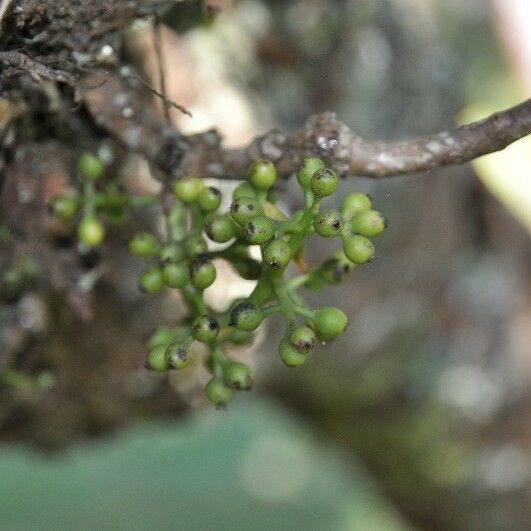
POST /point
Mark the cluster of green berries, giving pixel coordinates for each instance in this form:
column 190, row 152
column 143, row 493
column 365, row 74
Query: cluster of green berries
column 183, row 260
column 95, row 202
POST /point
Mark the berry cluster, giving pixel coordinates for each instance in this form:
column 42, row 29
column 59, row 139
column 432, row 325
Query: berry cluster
column 183, row 261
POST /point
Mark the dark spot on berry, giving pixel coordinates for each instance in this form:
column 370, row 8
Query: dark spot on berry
column 336, row 224
column 212, row 323
column 234, row 206
column 215, row 191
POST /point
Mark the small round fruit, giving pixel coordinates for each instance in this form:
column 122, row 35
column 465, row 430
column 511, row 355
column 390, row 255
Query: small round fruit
column 64, row 207
column 243, row 209
column 187, row 189
column 369, row 223
column 218, row 392
column 175, row 275
column 202, row 272
column 276, row 254
column 151, row 279
column 162, row 336
column 194, row 245
column 329, row 322
column 220, row 228
column 238, row 376
column 307, row 168
column 177, row 356
column 262, row 174
column 290, row 355
column 328, row 223
column 246, row 316
column 156, row 358
column 324, row 182
column 209, row 199
column 171, row 253
column 90, row 231
column 243, row 190
column 303, row 338
column 358, row 249
column 240, row 337
column 205, row 328
column 259, row 230
column 143, row 244
column 90, row 166
column 355, row 203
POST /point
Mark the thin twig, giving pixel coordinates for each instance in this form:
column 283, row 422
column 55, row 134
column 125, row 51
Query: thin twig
column 160, row 66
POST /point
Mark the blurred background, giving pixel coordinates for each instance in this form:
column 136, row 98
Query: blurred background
column 419, row 416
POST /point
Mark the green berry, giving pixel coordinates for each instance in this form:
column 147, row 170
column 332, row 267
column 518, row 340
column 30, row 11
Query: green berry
column 240, row 337
column 259, row 230
column 329, row 322
column 187, row 189
column 218, row 392
column 205, row 328
column 243, row 190
column 194, row 245
column 202, row 272
column 328, row 223
column 243, row 209
column 290, row 355
column 151, row 279
column 276, row 254
column 303, row 338
column 248, row 268
column 171, row 253
column 209, row 199
column 238, row 376
column 90, row 166
column 156, row 359
column 358, row 249
column 162, row 336
column 262, row 174
column 175, row 275
column 220, row 228
column 143, row 244
column 177, row 356
column 355, row 203
column 64, row 207
column 246, row 316
column 90, row 231
column 307, row 168
column 324, row 182
column 176, row 222
column 369, row 223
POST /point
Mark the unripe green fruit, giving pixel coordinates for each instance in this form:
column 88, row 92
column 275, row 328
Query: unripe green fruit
column 176, row 222
column 187, row 189
column 328, row 223
column 194, row 245
column 358, row 249
column 156, row 359
column 276, row 254
column 240, row 337
column 64, row 207
column 171, row 253
column 177, row 356
column 355, row 203
column 220, row 228
column 162, row 336
column 259, row 230
column 263, row 174
column 175, row 275
column 369, row 223
column 238, row 376
column 202, row 272
column 246, row 316
column 151, row 279
column 290, row 355
column 209, row 199
column 90, row 166
column 303, row 338
column 329, row 322
column 143, row 244
column 243, row 190
column 324, row 182
column 248, row 268
column 90, row 231
column 218, row 392
column 243, row 209
column 307, row 168
column 205, row 328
